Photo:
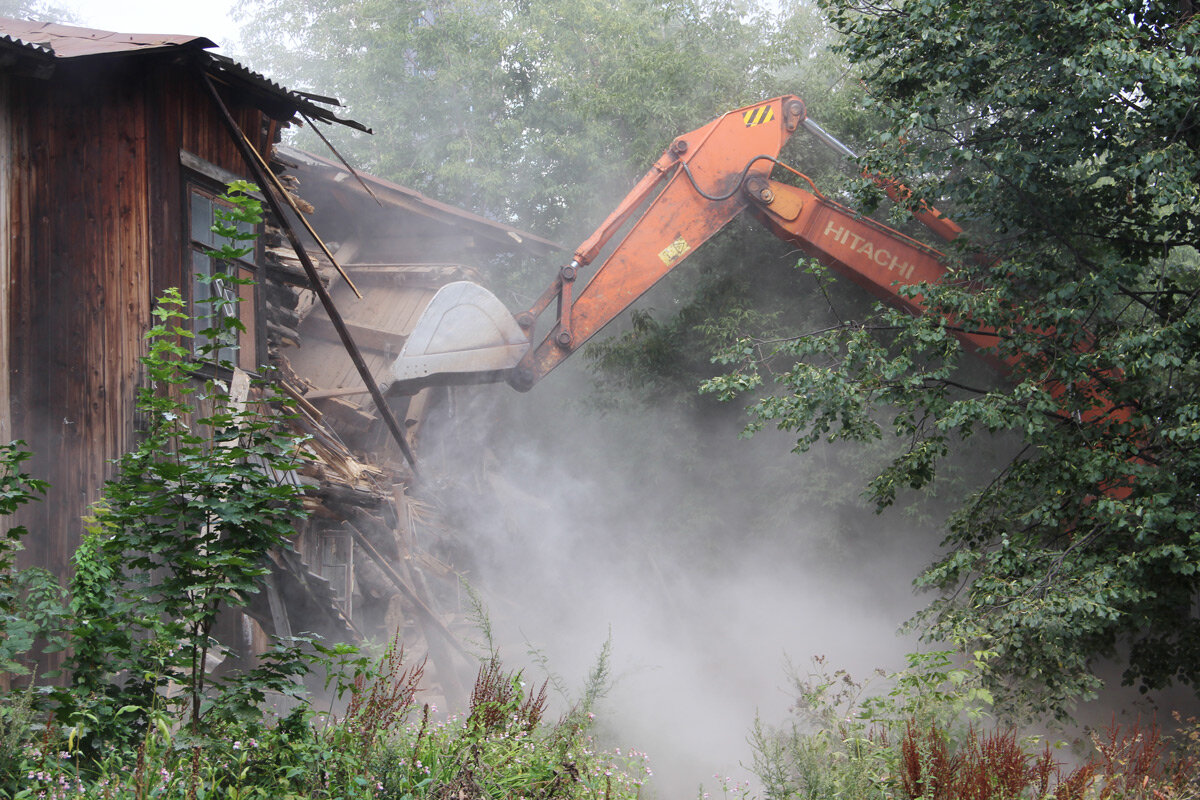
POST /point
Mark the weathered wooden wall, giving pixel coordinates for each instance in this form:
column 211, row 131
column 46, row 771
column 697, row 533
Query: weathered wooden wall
column 95, row 223
column 8, row 235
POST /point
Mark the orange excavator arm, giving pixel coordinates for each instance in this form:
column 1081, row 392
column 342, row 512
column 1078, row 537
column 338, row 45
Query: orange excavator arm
column 873, row 255
column 884, row 261
column 704, row 180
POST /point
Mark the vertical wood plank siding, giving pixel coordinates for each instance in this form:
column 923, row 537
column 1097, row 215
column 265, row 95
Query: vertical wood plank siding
column 7, row 236
column 94, row 225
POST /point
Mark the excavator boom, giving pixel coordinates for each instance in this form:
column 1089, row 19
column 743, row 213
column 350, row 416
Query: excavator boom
column 703, row 180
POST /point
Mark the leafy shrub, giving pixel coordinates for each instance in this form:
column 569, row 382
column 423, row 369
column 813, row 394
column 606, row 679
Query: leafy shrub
column 30, row 603
column 502, row 748
column 923, row 740
column 183, row 529
column 32, row 610
column 385, row 745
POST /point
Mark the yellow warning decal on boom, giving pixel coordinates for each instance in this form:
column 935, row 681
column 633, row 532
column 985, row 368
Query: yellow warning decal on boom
column 674, row 251
column 758, row 116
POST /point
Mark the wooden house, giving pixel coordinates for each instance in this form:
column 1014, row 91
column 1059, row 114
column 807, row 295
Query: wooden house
column 113, row 149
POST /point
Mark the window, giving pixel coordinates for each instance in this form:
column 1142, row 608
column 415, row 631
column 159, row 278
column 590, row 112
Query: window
column 211, row 290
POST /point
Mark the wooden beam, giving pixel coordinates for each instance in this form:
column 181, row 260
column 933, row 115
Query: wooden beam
column 437, row 635
column 364, row 335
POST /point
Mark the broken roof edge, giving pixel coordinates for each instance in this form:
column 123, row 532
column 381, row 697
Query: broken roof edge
column 50, row 42
column 223, row 68
column 397, row 195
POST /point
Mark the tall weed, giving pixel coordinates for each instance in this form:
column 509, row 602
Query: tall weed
column 925, row 738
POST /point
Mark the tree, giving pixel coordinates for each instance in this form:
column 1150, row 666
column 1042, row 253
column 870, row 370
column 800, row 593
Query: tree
column 1066, row 136
column 537, row 114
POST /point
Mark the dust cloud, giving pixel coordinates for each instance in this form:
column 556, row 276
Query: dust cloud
column 710, row 562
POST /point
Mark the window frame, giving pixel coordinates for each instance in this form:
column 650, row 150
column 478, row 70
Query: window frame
column 207, row 181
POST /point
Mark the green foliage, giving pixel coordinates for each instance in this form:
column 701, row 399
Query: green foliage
column 844, row 740
column 538, row 114
column 18, row 729
column 502, row 749
column 1064, row 136
column 385, row 745
column 923, row 738
column 16, row 489
column 34, row 623
column 32, row 611
column 31, row 602
column 182, row 532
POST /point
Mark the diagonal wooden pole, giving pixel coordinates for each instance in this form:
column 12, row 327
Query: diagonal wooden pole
column 345, row 163
column 274, row 179
column 270, row 192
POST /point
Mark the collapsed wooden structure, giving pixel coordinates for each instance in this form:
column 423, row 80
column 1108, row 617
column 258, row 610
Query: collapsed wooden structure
column 114, row 149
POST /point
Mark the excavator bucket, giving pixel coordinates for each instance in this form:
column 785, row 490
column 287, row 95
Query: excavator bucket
column 465, row 335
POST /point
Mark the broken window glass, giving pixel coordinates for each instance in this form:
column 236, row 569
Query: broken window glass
column 214, row 295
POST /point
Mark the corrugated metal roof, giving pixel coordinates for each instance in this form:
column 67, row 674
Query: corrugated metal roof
column 67, row 41
column 46, row 40
column 396, row 195
column 24, row 58
column 225, row 69
column 36, row 49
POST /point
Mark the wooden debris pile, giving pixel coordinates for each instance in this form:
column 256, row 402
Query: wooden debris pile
column 371, row 560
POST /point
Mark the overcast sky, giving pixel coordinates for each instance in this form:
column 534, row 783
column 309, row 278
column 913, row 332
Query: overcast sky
column 210, row 18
